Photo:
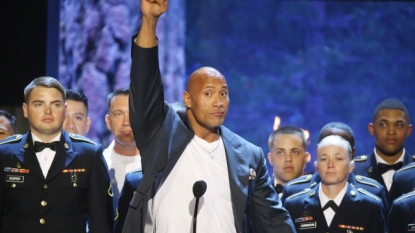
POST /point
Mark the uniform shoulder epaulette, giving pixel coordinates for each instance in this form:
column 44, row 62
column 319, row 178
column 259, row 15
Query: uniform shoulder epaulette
column 410, row 166
column 13, row 138
column 366, row 180
column 361, row 158
column 299, row 193
column 369, row 194
column 78, row 137
column 413, row 157
column 301, row 179
column 404, row 196
column 136, row 170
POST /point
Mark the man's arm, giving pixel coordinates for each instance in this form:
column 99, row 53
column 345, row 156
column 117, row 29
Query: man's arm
column 100, row 204
column 146, row 100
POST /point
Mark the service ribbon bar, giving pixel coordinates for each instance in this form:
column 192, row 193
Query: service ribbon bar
column 351, row 227
column 303, row 219
column 16, row 170
column 73, row 170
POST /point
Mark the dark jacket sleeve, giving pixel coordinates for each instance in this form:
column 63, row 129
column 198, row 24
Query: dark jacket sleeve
column 100, row 204
column 266, row 211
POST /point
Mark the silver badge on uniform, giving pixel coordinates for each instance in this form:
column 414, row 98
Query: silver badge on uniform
column 14, row 179
column 307, row 225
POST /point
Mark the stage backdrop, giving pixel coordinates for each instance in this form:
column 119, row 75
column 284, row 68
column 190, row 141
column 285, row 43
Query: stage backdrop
column 307, row 62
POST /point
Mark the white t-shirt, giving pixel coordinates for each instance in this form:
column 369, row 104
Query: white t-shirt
column 174, row 202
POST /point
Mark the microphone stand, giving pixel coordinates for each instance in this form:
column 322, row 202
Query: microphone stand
column 195, row 214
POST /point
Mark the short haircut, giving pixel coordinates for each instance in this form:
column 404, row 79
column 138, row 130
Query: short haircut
column 340, row 126
column 11, row 119
column 47, row 82
column 391, row 104
column 287, row 130
column 122, row 91
column 78, row 96
column 336, row 140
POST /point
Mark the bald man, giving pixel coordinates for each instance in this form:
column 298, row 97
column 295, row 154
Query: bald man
column 179, row 148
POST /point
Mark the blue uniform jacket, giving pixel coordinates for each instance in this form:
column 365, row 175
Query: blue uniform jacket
column 309, row 181
column 403, row 182
column 402, row 215
column 77, row 186
column 132, row 180
column 359, row 211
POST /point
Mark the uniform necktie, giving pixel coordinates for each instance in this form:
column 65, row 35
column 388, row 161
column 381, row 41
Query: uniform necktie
column 39, row 146
column 386, row 167
column 278, row 188
column 332, row 205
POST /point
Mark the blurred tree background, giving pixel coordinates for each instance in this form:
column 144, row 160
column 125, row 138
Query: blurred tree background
column 308, row 62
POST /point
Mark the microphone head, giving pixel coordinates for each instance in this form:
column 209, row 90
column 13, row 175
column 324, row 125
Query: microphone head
column 199, row 188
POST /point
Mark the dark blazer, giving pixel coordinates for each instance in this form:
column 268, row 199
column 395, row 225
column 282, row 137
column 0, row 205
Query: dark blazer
column 367, row 166
column 403, row 182
column 63, row 200
column 358, row 208
column 309, row 181
column 162, row 135
column 402, row 215
column 132, row 180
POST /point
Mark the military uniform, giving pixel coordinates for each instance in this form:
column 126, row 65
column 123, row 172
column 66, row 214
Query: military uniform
column 402, row 215
column 309, row 181
column 359, row 211
column 77, row 186
column 403, row 182
column 132, row 180
column 367, row 166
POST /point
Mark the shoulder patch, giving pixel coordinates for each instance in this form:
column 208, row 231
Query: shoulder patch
column 366, row 180
column 299, row 193
column 12, row 138
column 360, row 158
column 136, row 170
column 78, row 137
column 368, row 194
column 406, row 195
column 406, row 167
column 301, row 179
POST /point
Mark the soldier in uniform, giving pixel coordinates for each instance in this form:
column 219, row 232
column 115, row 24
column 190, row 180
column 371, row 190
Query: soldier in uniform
column 8, row 125
column 51, row 180
column 310, row 181
column 402, row 215
column 131, row 182
column 334, row 205
column 390, row 128
column 76, row 120
column 287, row 154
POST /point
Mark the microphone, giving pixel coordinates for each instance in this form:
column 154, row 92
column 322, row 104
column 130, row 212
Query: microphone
column 199, row 188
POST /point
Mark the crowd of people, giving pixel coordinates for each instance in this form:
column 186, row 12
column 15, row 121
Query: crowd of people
column 55, row 179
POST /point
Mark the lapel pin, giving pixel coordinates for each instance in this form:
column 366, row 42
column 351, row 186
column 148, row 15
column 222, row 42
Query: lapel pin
column 312, row 194
column 252, row 174
column 66, row 145
column 370, row 170
column 26, row 145
column 18, row 165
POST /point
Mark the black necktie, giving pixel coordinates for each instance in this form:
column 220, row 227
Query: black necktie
column 332, row 205
column 278, row 188
column 39, row 146
column 386, row 167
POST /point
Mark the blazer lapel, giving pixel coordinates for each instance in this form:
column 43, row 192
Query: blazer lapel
column 63, row 157
column 373, row 171
column 238, row 175
column 27, row 156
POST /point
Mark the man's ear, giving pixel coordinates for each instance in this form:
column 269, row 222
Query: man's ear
column 24, row 106
column 186, row 99
column 351, row 166
column 88, row 124
column 370, row 129
column 315, row 166
column 409, row 131
column 107, row 121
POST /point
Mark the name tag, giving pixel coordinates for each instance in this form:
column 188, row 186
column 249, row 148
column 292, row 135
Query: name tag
column 308, row 225
column 15, row 179
column 411, row 227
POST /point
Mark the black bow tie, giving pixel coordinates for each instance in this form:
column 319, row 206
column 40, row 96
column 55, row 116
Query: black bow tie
column 278, row 188
column 332, row 205
column 39, row 146
column 386, row 167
